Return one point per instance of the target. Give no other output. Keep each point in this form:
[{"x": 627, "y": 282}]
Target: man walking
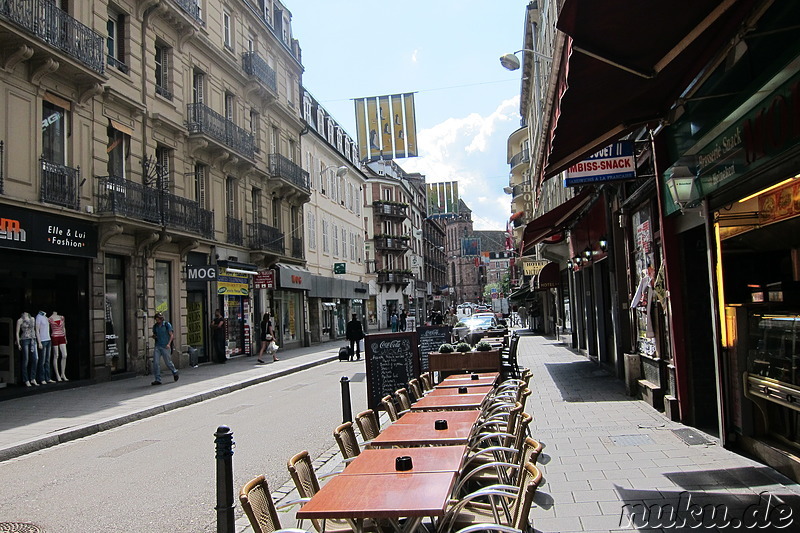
[
  {"x": 164, "y": 336},
  {"x": 354, "y": 333},
  {"x": 218, "y": 336}
]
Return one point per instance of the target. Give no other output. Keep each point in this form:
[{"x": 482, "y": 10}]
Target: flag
[{"x": 386, "y": 127}]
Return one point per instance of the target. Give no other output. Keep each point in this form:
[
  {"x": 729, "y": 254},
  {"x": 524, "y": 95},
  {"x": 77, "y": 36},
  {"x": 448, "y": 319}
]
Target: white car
[{"x": 474, "y": 327}]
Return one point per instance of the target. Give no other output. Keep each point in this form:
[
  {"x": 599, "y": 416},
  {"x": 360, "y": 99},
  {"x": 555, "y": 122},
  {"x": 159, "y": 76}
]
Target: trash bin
[{"x": 193, "y": 356}]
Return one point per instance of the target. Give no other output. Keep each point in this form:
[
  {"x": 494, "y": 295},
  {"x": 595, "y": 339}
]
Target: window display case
[{"x": 773, "y": 358}]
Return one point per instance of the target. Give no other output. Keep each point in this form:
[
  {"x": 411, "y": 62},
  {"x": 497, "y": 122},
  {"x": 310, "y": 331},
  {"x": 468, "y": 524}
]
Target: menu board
[
  {"x": 392, "y": 361},
  {"x": 429, "y": 339}
]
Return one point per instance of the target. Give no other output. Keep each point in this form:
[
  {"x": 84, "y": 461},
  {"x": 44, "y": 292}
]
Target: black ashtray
[
  {"x": 440, "y": 424},
  {"x": 402, "y": 463},
  {"x": 475, "y": 377},
  {"x": 462, "y": 390}
]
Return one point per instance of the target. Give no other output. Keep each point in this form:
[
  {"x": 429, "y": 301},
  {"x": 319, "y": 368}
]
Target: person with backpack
[{"x": 164, "y": 336}]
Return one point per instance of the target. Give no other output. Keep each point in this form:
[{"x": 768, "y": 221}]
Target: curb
[{"x": 41, "y": 443}]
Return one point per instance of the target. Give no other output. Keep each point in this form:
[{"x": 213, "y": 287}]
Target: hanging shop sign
[
  {"x": 532, "y": 268},
  {"x": 265, "y": 279},
  {"x": 24, "y": 229},
  {"x": 232, "y": 284},
  {"x": 614, "y": 162}
]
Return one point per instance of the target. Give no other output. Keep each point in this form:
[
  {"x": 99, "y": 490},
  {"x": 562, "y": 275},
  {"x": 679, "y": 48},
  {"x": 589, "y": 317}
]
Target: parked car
[{"x": 474, "y": 327}]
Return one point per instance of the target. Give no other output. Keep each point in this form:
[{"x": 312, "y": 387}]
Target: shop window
[
  {"x": 116, "y": 338},
  {"x": 163, "y": 289}
]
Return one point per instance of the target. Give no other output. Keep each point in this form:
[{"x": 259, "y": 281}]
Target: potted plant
[
  {"x": 446, "y": 348},
  {"x": 463, "y": 347},
  {"x": 483, "y": 346}
]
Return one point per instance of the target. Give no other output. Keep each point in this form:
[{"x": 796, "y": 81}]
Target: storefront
[
  {"x": 234, "y": 293},
  {"x": 47, "y": 261},
  {"x": 331, "y": 303},
  {"x": 200, "y": 275},
  {"x": 289, "y": 304}
]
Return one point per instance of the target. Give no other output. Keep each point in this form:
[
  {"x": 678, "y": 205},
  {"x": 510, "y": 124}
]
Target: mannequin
[
  {"x": 26, "y": 343},
  {"x": 58, "y": 339},
  {"x": 43, "y": 335}
]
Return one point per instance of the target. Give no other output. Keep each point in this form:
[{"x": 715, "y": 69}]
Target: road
[{"x": 158, "y": 474}]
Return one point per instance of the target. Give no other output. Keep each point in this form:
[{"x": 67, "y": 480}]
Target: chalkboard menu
[
  {"x": 429, "y": 339},
  {"x": 392, "y": 361}
]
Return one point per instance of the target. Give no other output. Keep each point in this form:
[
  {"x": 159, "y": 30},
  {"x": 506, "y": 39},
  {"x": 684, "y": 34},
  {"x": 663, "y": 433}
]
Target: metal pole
[
  {"x": 347, "y": 409},
  {"x": 225, "y": 503}
]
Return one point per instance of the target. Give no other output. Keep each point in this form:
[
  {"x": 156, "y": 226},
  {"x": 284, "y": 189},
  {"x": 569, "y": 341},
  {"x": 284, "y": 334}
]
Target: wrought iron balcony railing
[
  {"x": 117, "y": 64},
  {"x": 283, "y": 168},
  {"x": 394, "y": 276},
  {"x": 391, "y": 243},
  {"x": 235, "y": 231},
  {"x": 297, "y": 248},
  {"x": 128, "y": 199},
  {"x": 162, "y": 91},
  {"x": 192, "y": 8},
  {"x": 202, "y": 119},
  {"x": 254, "y": 65},
  {"x": 519, "y": 158},
  {"x": 263, "y": 237},
  {"x": 389, "y": 210},
  {"x": 60, "y": 185},
  {"x": 48, "y": 23}
]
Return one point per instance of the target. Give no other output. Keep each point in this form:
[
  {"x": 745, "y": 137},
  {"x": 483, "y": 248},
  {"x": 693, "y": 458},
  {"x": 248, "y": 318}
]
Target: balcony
[
  {"x": 519, "y": 158},
  {"x": 297, "y": 248},
  {"x": 286, "y": 170},
  {"x": 263, "y": 237},
  {"x": 400, "y": 277},
  {"x": 60, "y": 185},
  {"x": 391, "y": 243},
  {"x": 124, "y": 198},
  {"x": 389, "y": 209},
  {"x": 55, "y": 29},
  {"x": 203, "y": 120},
  {"x": 191, "y": 8},
  {"x": 255, "y": 66},
  {"x": 235, "y": 231}
]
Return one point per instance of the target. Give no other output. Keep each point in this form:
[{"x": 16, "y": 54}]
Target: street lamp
[
  {"x": 681, "y": 185},
  {"x": 511, "y": 61},
  {"x": 340, "y": 171}
]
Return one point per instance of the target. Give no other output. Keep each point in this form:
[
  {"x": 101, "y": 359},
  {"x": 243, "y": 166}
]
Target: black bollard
[
  {"x": 225, "y": 503},
  {"x": 347, "y": 409}
]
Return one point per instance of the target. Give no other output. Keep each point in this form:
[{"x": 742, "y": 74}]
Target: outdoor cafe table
[
  {"x": 422, "y": 431},
  {"x": 430, "y": 417},
  {"x": 459, "y": 380},
  {"x": 394, "y": 495},
  {"x": 432, "y": 459},
  {"x": 471, "y": 389},
  {"x": 450, "y": 402}
]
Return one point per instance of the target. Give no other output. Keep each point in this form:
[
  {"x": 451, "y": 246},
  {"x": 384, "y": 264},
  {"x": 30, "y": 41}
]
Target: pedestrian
[
  {"x": 218, "y": 336},
  {"x": 164, "y": 337},
  {"x": 393, "y": 321},
  {"x": 436, "y": 319},
  {"x": 403, "y": 317},
  {"x": 354, "y": 333},
  {"x": 450, "y": 318},
  {"x": 523, "y": 316},
  {"x": 267, "y": 337}
]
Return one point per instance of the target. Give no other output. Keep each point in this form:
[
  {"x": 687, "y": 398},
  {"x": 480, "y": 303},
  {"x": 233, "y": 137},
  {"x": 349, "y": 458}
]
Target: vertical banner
[
  {"x": 397, "y": 126},
  {"x": 442, "y": 199},
  {"x": 386, "y": 127}
]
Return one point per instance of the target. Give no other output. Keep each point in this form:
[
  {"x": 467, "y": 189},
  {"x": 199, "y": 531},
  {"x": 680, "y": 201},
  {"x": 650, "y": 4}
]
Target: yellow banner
[
  {"x": 374, "y": 142},
  {"x": 397, "y": 125},
  {"x": 232, "y": 284},
  {"x": 411, "y": 125},
  {"x": 386, "y": 127},
  {"x": 532, "y": 268},
  {"x": 361, "y": 127}
]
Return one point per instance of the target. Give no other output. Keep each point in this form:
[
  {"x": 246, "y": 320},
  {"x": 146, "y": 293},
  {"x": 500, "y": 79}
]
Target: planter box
[{"x": 488, "y": 361}]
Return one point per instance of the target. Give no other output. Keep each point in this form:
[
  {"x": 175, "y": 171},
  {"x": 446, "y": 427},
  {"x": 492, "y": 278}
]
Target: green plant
[
  {"x": 463, "y": 347},
  {"x": 446, "y": 348},
  {"x": 483, "y": 347},
  {"x": 459, "y": 324}
]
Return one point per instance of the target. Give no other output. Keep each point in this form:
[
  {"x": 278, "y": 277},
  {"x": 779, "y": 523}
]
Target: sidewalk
[{"x": 38, "y": 421}]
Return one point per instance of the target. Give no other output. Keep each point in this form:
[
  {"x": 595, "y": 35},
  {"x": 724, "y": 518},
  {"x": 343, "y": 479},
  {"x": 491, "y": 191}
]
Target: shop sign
[
  {"x": 23, "y": 229},
  {"x": 779, "y": 204},
  {"x": 339, "y": 268},
  {"x": 614, "y": 162},
  {"x": 201, "y": 272},
  {"x": 644, "y": 237},
  {"x": 265, "y": 279},
  {"x": 231, "y": 284},
  {"x": 532, "y": 268},
  {"x": 294, "y": 278}
]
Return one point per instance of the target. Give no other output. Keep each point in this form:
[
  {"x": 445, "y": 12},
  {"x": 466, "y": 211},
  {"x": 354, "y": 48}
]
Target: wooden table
[
  {"x": 459, "y": 380},
  {"x": 381, "y": 460},
  {"x": 429, "y": 417},
  {"x": 454, "y": 401},
  {"x": 425, "y": 433},
  {"x": 414, "y": 495},
  {"x": 471, "y": 389},
  {"x": 460, "y": 362}
]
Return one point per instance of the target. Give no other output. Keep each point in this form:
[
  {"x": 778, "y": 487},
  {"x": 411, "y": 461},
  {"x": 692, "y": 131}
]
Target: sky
[{"x": 447, "y": 51}]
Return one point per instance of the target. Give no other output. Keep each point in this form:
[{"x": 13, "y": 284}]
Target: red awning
[
  {"x": 629, "y": 61},
  {"x": 553, "y": 221}
]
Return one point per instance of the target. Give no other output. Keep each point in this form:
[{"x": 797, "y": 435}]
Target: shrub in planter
[
  {"x": 463, "y": 347},
  {"x": 446, "y": 348},
  {"x": 483, "y": 347}
]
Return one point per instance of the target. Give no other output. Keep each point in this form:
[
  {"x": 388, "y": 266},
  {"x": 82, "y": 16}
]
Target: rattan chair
[
  {"x": 345, "y": 437},
  {"x": 257, "y": 503},
  {"x": 305, "y": 480},
  {"x": 388, "y": 405},
  {"x": 426, "y": 379},
  {"x": 415, "y": 387},
  {"x": 368, "y": 424},
  {"x": 403, "y": 400}
]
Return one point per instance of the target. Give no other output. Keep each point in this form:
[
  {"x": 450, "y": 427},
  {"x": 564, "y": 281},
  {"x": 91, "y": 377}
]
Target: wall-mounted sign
[
  {"x": 614, "y": 162},
  {"x": 265, "y": 279},
  {"x": 532, "y": 268},
  {"x": 339, "y": 268},
  {"x": 24, "y": 229},
  {"x": 232, "y": 284},
  {"x": 201, "y": 272}
]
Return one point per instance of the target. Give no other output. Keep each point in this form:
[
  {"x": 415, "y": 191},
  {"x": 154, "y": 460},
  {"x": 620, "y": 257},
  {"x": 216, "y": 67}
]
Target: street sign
[{"x": 339, "y": 268}]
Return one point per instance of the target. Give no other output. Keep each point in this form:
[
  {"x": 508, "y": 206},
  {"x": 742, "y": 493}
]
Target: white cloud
[
  {"x": 414, "y": 56},
  {"x": 472, "y": 151}
]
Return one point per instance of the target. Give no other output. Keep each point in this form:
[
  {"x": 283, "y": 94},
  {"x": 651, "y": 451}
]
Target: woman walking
[{"x": 266, "y": 337}]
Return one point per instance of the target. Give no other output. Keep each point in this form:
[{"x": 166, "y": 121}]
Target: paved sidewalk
[{"x": 37, "y": 421}]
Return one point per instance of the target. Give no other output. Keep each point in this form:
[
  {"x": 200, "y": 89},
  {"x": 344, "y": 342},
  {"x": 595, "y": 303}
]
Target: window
[
  {"x": 263, "y": 8},
  {"x": 255, "y": 126},
  {"x": 344, "y": 243},
  {"x": 307, "y": 115},
  {"x": 357, "y": 200},
  {"x": 54, "y": 133},
  {"x": 359, "y": 248},
  {"x": 350, "y": 196},
  {"x": 311, "y": 224},
  {"x": 200, "y": 172},
  {"x": 230, "y": 196},
  {"x": 198, "y": 87},
  {"x": 115, "y": 41},
  {"x": 229, "y": 106},
  {"x": 118, "y": 150},
  {"x": 352, "y": 246},
  {"x": 274, "y": 141},
  {"x": 164, "y": 167},
  {"x": 325, "y": 236},
  {"x": 335, "y": 240},
  {"x": 163, "y": 289},
  {"x": 256, "y": 201},
  {"x": 329, "y": 184},
  {"x": 163, "y": 85},
  {"x": 276, "y": 213},
  {"x": 227, "y": 31}
]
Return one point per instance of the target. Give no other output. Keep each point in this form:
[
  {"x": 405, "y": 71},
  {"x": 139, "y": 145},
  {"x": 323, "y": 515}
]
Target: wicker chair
[
  {"x": 368, "y": 424},
  {"x": 388, "y": 405},
  {"x": 257, "y": 503},
  {"x": 345, "y": 437},
  {"x": 403, "y": 400},
  {"x": 415, "y": 387},
  {"x": 307, "y": 484},
  {"x": 427, "y": 381}
]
